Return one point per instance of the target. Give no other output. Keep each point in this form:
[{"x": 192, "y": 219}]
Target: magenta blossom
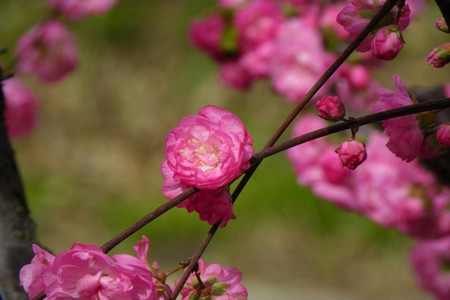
[
  {"x": 387, "y": 43},
  {"x": 257, "y": 23},
  {"x": 405, "y": 136},
  {"x": 430, "y": 148},
  {"x": 358, "y": 13},
  {"x": 76, "y": 10},
  {"x": 47, "y": 51},
  {"x": 430, "y": 261},
  {"x": 442, "y": 25},
  {"x": 218, "y": 283},
  {"x": 31, "y": 275},
  {"x": 443, "y": 135},
  {"x": 21, "y": 108},
  {"x": 352, "y": 153},
  {"x": 206, "y": 151},
  {"x": 233, "y": 74},
  {"x": 212, "y": 206},
  {"x": 206, "y": 35},
  {"x": 231, "y": 3},
  {"x": 330, "y": 108}
]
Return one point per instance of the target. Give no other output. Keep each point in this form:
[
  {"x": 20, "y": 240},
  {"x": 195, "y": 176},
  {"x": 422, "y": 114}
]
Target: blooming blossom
[
  {"x": 21, "y": 108},
  {"x": 430, "y": 261},
  {"x": 218, "y": 283},
  {"x": 76, "y": 10},
  {"x": 405, "y": 136},
  {"x": 47, "y": 51},
  {"x": 206, "y": 151}
]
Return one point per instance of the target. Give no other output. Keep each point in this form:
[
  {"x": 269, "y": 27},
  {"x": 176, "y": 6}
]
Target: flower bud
[
  {"x": 442, "y": 25},
  {"x": 387, "y": 42},
  {"x": 430, "y": 148},
  {"x": 352, "y": 153},
  {"x": 443, "y": 135},
  {"x": 331, "y": 108},
  {"x": 440, "y": 56}
]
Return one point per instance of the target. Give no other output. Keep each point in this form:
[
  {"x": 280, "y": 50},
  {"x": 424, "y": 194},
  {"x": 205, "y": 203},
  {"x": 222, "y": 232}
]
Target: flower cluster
[
  {"x": 384, "y": 188},
  {"x": 48, "y": 52},
  {"x": 207, "y": 151},
  {"x": 259, "y": 39},
  {"x": 85, "y": 272}
]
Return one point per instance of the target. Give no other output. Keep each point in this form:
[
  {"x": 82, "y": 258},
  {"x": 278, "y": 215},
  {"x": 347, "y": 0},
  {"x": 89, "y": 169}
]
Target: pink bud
[
  {"x": 430, "y": 149},
  {"x": 442, "y": 25},
  {"x": 443, "y": 135},
  {"x": 439, "y": 56},
  {"x": 387, "y": 43},
  {"x": 331, "y": 108},
  {"x": 352, "y": 153}
]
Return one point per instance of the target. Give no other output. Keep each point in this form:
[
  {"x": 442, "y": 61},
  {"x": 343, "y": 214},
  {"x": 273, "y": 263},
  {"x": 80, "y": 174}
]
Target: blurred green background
[{"x": 91, "y": 167}]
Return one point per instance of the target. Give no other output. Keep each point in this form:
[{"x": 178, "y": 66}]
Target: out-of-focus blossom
[
  {"x": 443, "y": 135},
  {"x": 358, "y": 13},
  {"x": 297, "y": 65},
  {"x": 257, "y": 23},
  {"x": 31, "y": 275},
  {"x": 212, "y": 206},
  {"x": 430, "y": 148},
  {"x": 257, "y": 61},
  {"x": 405, "y": 136},
  {"x": 206, "y": 34},
  {"x": 430, "y": 261},
  {"x": 233, "y": 74},
  {"x": 328, "y": 20},
  {"x": 387, "y": 43},
  {"x": 47, "y": 51},
  {"x": 330, "y": 108},
  {"x": 231, "y": 3},
  {"x": 439, "y": 56},
  {"x": 352, "y": 153},
  {"x": 442, "y": 25},
  {"x": 76, "y": 9},
  {"x": 21, "y": 108},
  {"x": 218, "y": 283}
]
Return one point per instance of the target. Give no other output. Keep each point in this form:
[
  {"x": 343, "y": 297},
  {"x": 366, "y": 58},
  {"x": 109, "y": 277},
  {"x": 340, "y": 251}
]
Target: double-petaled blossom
[
  {"x": 352, "y": 153},
  {"x": 206, "y": 151},
  {"x": 206, "y": 34},
  {"x": 443, "y": 135},
  {"x": 439, "y": 56},
  {"x": 405, "y": 135},
  {"x": 47, "y": 51},
  {"x": 76, "y": 10},
  {"x": 217, "y": 283},
  {"x": 387, "y": 43},
  {"x": 358, "y": 13},
  {"x": 430, "y": 260},
  {"x": 330, "y": 108},
  {"x": 21, "y": 108},
  {"x": 85, "y": 272}
]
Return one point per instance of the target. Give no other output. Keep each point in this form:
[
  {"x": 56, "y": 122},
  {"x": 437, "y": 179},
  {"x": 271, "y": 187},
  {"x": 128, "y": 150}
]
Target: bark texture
[{"x": 17, "y": 230}]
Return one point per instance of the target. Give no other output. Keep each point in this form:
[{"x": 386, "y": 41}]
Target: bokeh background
[{"x": 91, "y": 167}]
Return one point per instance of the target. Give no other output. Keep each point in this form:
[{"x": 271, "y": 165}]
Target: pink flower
[
  {"x": 212, "y": 206},
  {"x": 206, "y": 35},
  {"x": 231, "y": 3},
  {"x": 31, "y": 274},
  {"x": 21, "y": 108},
  {"x": 297, "y": 65},
  {"x": 443, "y": 135},
  {"x": 257, "y": 61},
  {"x": 76, "y": 10},
  {"x": 404, "y": 132},
  {"x": 47, "y": 51},
  {"x": 257, "y": 23},
  {"x": 218, "y": 283},
  {"x": 206, "y": 151},
  {"x": 430, "y": 261},
  {"x": 352, "y": 154},
  {"x": 328, "y": 20},
  {"x": 357, "y": 14},
  {"x": 439, "y": 56},
  {"x": 387, "y": 43},
  {"x": 430, "y": 148},
  {"x": 331, "y": 108},
  {"x": 86, "y": 272},
  {"x": 234, "y": 75}
]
